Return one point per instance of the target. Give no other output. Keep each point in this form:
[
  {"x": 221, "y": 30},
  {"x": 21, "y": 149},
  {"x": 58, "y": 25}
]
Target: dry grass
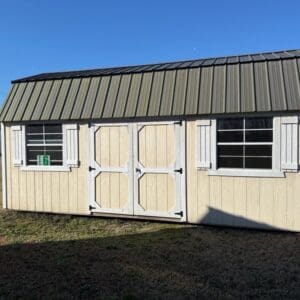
[{"x": 52, "y": 256}]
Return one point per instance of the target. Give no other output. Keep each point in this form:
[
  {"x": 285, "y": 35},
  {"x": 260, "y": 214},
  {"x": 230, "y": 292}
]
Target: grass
[{"x": 56, "y": 256}]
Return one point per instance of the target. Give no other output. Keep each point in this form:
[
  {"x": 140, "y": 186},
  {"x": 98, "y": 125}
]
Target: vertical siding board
[
  {"x": 47, "y": 190},
  {"x": 33, "y": 100},
  {"x": 233, "y": 89},
  {"x": 61, "y": 99},
  {"x": 41, "y": 101},
  {"x": 227, "y": 208},
  {"x": 64, "y": 192},
  {"x": 8, "y": 99},
  {"x": 55, "y": 192},
  {"x": 9, "y": 176},
  {"x": 219, "y": 88},
  {"x": 111, "y": 96},
  {"x": 15, "y": 102},
  {"x": 292, "y": 84},
  {"x": 205, "y": 93},
  {"x": 192, "y": 91},
  {"x": 266, "y": 187},
  {"x": 144, "y": 94},
  {"x": 133, "y": 96},
  {"x": 80, "y": 99},
  {"x": 168, "y": 93},
  {"x": 68, "y": 105},
  {"x": 247, "y": 88},
  {"x": 215, "y": 201},
  {"x": 90, "y": 98},
  {"x": 156, "y": 93},
  {"x": 253, "y": 201},
  {"x": 50, "y": 104},
  {"x": 30, "y": 180},
  {"x": 280, "y": 202},
  {"x": 39, "y": 191},
  {"x": 101, "y": 97},
  {"x": 262, "y": 94},
  {"x": 24, "y": 201},
  {"x": 277, "y": 90},
  {"x": 240, "y": 201},
  {"x": 122, "y": 96},
  {"x": 180, "y": 93}
]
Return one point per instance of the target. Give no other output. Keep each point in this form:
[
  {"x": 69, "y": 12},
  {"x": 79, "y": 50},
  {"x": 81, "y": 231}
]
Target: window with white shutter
[
  {"x": 71, "y": 144},
  {"x": 17, "y": 144},
  {"x": 289, "y": 143},
  {"x": 206, "y": 144},
  {"x": 49, "y": 147}
]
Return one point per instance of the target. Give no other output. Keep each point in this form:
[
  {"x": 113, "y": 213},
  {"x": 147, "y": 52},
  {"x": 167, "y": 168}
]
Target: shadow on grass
[{"x": 170, "y": 264}]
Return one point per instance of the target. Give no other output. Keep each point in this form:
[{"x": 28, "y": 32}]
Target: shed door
[
  {"x": 110, "y": 168},
  {"x": 159, "y": 170}
]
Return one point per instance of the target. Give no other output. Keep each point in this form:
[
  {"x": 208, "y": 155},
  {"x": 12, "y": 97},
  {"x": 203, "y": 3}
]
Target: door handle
[
  {"x": 138, "y": 170},
  {"x": 178, "y": 170}
]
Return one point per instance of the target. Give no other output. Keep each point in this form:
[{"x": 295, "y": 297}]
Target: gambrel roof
[{"x": 265, "y": 82}]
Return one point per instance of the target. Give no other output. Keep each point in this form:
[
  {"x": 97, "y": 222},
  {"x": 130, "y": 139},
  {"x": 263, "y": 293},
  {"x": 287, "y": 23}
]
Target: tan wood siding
[
  {"x": 61, "y": 192},
  {"x": 240, "y": 201}
]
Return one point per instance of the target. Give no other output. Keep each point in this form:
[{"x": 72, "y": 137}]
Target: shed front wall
[
  {"x": 58, "y": 192},
  {"x": 270, "y": 203},
  {"x": 254, "y": 202}
]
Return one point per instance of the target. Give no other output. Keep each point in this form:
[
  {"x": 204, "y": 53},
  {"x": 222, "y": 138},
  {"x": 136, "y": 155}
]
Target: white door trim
[
  {"x": 139, "y": 170},
  {"x": 94, "y": 169}
]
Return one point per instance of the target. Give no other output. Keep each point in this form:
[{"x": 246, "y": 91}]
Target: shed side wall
[
  {"x": 240, "y": 201},
  {"x": 59, "y": 192}
]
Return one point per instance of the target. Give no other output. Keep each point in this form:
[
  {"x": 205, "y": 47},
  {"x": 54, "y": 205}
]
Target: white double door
[{"x": 137, "y": 169}]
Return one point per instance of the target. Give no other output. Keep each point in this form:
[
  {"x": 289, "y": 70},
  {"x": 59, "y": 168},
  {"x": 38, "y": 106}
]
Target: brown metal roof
[{"x": 266, "y": 82}]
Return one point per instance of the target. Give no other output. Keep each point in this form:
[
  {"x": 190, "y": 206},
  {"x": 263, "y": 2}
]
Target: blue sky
[{"x": 56, "y": 35}]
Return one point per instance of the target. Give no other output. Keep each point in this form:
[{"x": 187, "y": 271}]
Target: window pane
[
  {"x": 53, "y": 138},
  {"x": 34, "y": 139},
  {"x": 259, "y": 136},
  {"x": 55, "y": 153},
  {"x": 252, "y": 123},
  {"x": 230, "y": 123},
  {"x": 230, "y": 150},
  {"x": 53, "y": 128},
  {"x": 32, "y": 153},
  {"x": 230, "y": 162},
  {"x": 230, "y": 136},
  {"x": 258, "y": 162},
  {"x": 34, "y": 128},
  {"x": 258, "y": 150}
]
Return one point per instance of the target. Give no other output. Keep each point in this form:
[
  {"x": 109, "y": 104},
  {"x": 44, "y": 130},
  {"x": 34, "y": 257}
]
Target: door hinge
[
  {"x": 180, "y": 213},
  {"x": 178, "y": 170},
  {"x": 91, "y": 207},
  {"x": 91, "y": 169},
  {"x": 178, "y": 123}
]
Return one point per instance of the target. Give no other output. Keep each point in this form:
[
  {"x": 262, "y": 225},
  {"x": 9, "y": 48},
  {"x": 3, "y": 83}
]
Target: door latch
[
  {"x": 91, "y": 207},
  {"x": 91, "y": 169},
  {"x": 180, "y": 213},
  {"x": 138, "y": 170},
  {"x": 178, "y": 170}
]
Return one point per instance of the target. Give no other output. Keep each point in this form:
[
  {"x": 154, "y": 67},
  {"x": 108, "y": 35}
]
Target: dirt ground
[{"x": 49, "y": 256}]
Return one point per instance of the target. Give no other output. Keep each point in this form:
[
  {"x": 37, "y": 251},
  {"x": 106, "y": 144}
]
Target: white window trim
[
  {"x": 62, "y": 168},
  {"x": 236, "y": 172}
]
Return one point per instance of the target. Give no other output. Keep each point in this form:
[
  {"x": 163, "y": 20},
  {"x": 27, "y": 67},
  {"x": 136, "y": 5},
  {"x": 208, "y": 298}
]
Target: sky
[{"x": 58, "y": 35}]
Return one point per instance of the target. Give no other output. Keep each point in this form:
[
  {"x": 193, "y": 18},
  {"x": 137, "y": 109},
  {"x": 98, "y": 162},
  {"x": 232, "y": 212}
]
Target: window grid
[
  {"x": 244, "y": 143},
  {"x": 45, "y": 146}
]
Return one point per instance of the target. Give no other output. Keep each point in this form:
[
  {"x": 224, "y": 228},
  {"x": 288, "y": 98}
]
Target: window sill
[
  {"x": 246, "y": 173},
  {"x": 46, "y": 168}
]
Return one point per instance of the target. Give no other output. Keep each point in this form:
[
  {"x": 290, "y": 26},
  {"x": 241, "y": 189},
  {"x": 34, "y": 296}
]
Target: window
[
  {"x": 44, "y": 145},
  {"x": 245, "y": 143}
]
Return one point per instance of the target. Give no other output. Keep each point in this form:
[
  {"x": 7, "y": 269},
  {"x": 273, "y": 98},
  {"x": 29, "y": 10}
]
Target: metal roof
[{"x": 238, "y": 84}]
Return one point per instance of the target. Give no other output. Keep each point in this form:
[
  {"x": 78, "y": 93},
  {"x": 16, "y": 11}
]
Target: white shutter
[
  {"x": 289, "y": 143},
  {"x": 206, "y": 144},
  {"x": 71, "y": 144},
  {"x": 17, "y": 144}
]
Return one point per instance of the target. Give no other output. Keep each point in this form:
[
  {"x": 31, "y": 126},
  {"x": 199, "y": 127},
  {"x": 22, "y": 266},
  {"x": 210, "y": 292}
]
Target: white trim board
[{"x": 3, "y": 153}]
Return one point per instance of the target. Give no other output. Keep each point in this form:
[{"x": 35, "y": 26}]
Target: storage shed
[{"x": 208, "y": 141}]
